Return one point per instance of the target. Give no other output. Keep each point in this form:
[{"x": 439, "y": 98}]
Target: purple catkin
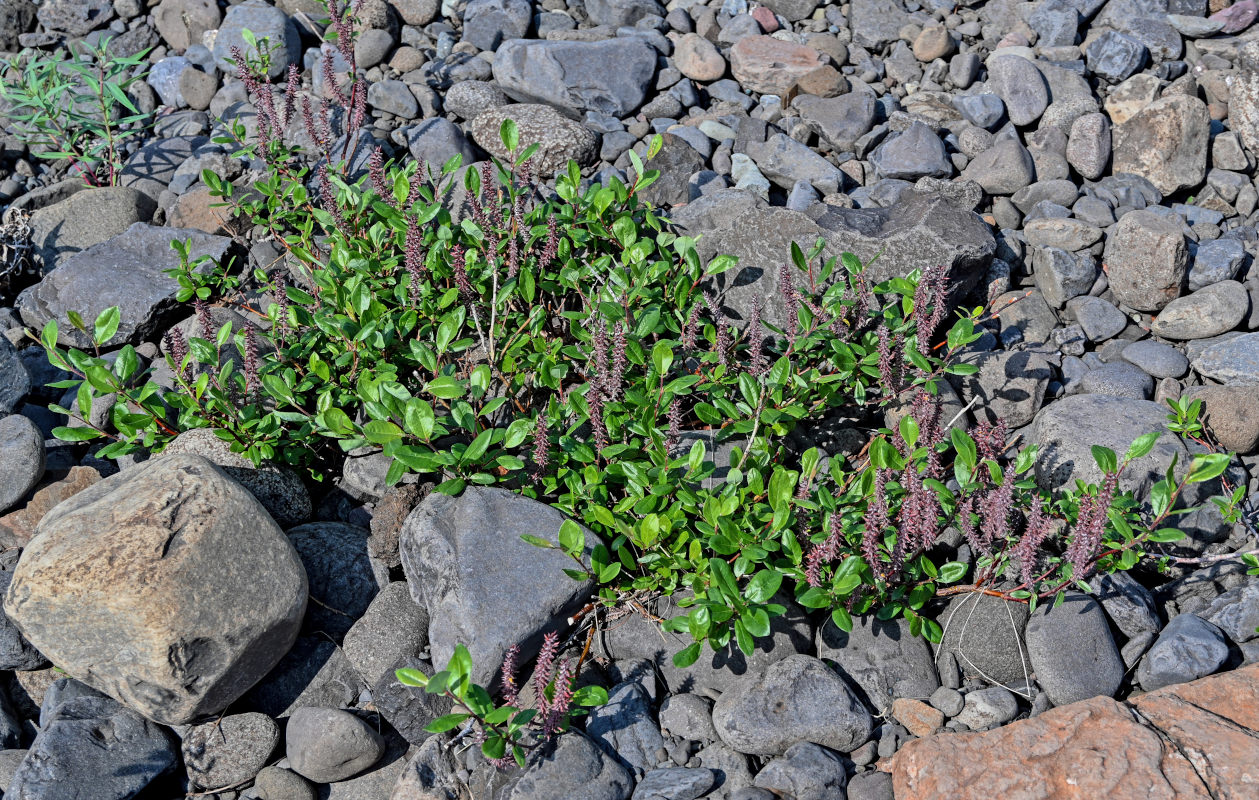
[
  {"x": 203, "y": 317},
  {"x": 1025, "y": 553},
  {"x": 511, "y": 689},
  {"x": 358, "y": 104},
  {"x": 595, "y": 400},
  {"x": 552, "y": 247},
  {"x": 460, "y": 269},
  {"x": 376, "y": 174},
  {"x": 966, "y": 522},
  {"x": 561, "y": 700},
  {"x": 252, "y": 385},
  {"x": 994, "y": 511},
  {"x": 513, "y": 256},
  {"x": 887, "y": 362},
  {"x": 1090, "y": 527},
  {"x": 863, "y": 301},
  {"x": 316, "y": 130},
  {"x": 756, "y": 342},
  {"x": 545, "y": 666},
  {"x": 282, "y": 304},
  {"x": 876, "y": 520},
  {"x": 541, "y": 448},
  {"x": 791, "y": 297},
  {"x": 674, "y": 436},
  {"x": 919, "y": 512},
  {"x": 724, "y": 344},
  {"x": 600, "y": 380},
  {"x": 328, "y": 199},
  {"x": 990, "y": 439},
  {"x": 691, "y": 330},
  {"x": 177, "y": 348},
  {"x": 413, "y": 259},
  {"x": 824, "y": 552},
  {"x": 291, "y": 89},
  {"x": 331, "y": 84},
  {"x": 345, "y": 34}
]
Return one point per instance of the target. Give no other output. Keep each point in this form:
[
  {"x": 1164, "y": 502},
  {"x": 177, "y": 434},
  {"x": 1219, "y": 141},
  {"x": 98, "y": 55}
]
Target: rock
[
  {"x": 1131, "y": 609},
  {"x": 784, "y": 161},
  {"x": 182, "y": 23},
  {"x": 1011, "y": 385},
  {"x": 164, "y": 78},
  {"x": 15, "y": 381},
  {"x": 674, "y": 783},
  {"x": 91, "y": 746},
  {"x": 436, "y": 141},
  {"x": 1210, "y": 311},
  {"x": 1114, "y": 56},
  {"x": 918, "y": 718},
  {"x": 314, "y": 672},
  {"x": 278, "y": 488},
  {"x": 924, "y": 227},
  {"x": 1099, "y": 319},
  {"x": 1230, "y": 414},
  {"x": 797, "y": 699},
  {"x": 21, "y": 458},
  {"x": 1145, "y": 260},
  {"x": 1237, "y": 17},
  {"x": 1165, "y": 142},
  {"x": 986, "y": 708},
  {"x": 949, "y": 702},
  {"x": 804, "y": 772},
  {"x": 342, "y": 583},
  {"x": 698, "y": 59},
  {"x": 1120, "y": 379},
  {"x": 393, "y": 628},
  {"x": 689, "y": 716},
  {"x": 487, "y": 23},
  {"x": 575, "y": 767},
  {"x": 875, "y": 23},
  {"x": 480, "y": 583},
  {"x": 84, "y": 219},
  {"x": 1003, "y": 168},
  {"x": 559, "y": 138},
  {"x": 621, "y": 13},
  {"x": 128, "y": 271},
  {"x": 1130, "y": 757},
  {"x": 1020, "y": 86},
  {"x": 1025, "y": 314},
  {"x": 429, "y": 774},
  {"x": 16, "y": 18},
  {"x": 572, "y": 75},
  {"x": 1072, "y": 651},
  {"x": 870, "y": 785},
  {"x": 913, "y": 154},
  {"x": 407, "y": 710},
  {"x": 1157, "y": 359},
  {"x": 984, "y": 635},
  {"x": 839, "y": 121},
  {"x": 1216, "y": 260},
  {"x": 265, "y": 21},
  {"x": 467, "y": 99},
  {"x": 1195, "y": 27},
  {"x": 1233, "y": 361},
  {"x": 1067, "y": 428},
  {"x": 1235, "y": 612},
  {"x": 393, "y": 97},
  {"x": 327, "y": 744},
  {"x": 277, "y": 783},
  {"x": 221, "y": 604},
  {"x": 22, "y": 521},
  {"x": 1088, "y": 147},
  {"x": 1243, "y": 106},
  {"x": 880, "y": 660},
  {"x": 15, "y": 652},
  {"x": 1188, "y": 648},
  {"x": 1061, "y": 275},
  {"x": 934, "y": 42},
  {"x": 229, "y": 751},
  {"x": 75, "y": 17},
  {"x": 677, "y": 162},
  {"x": 772, "y": 66},
  {"x": 623, "y": 727}
]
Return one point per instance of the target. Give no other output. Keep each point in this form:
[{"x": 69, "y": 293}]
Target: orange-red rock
[
  {"x": 918, "y": 718},
  {"x": 771, "y": 66},
  {"x": 1184, "y": 742}
]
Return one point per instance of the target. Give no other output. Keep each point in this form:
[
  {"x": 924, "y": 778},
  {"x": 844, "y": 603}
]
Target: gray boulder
[
  {"x": 574, "y": 76},
  {"x": 1010, "y": 385},
  {"x": 265, "y": 21},
  {"x": 392, "y": 628},
  {"x": 624, "y": 727},
  {"x": 481, "y": 584},
  {"x": 1212, "y": 310},
  {"x": 572, "y": 766},
  {"x": 559, "y": 138},
  {"x": 1188, "y": 648},
  {"x": 15, "y": 652},
  {"x": 1146, "y": 258},
  {"x": 342, "y": 581},
  {"x": 1165, "y": 142},
  {"x": 620, "y": 13},
  {"x": 1233, "y": 360},
  {"x": 1072, "y": 650},
  {"x": 93, "y": 747},
  {"x": 915, "y": 153},
  {"x": 436, "y": 141},
  {"x": 328, "y": 744},
  {"x": 223, "y": 595},
  {"x": 838, "y": 121},
  {"x": 804, "y": 772},
  {"x": 1020, "y": 85},
  {"x": 83, "y": 219},
  {"x": 880, "y": 659},
  {"x": 1131, "y": 609},
  {"x": 486, "y": 23},
  {"x": 784, "y": 161},
  {"x": 15, "y": 381},
  {"x": 21, "y": 458},
  {"x": 797, "y": 699},
  {"x": 128, "y": 271},
  {"x": 984, "y": 636},
  {"x": 674, "y": 783},
  {"x": 230, "y": 750}
]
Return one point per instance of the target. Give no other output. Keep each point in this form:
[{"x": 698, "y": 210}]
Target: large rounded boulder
[{"x": 166, "y": 586}]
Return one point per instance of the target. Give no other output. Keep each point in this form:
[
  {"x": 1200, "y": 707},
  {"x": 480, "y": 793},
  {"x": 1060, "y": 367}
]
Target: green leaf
[
  {"x": 1105, "y": 458},
  {"x": 687, "y": 655},
  {"x": 76, "y": 434},
  {"x": 572, "y": 537},
  {"x": 446, "y": 723},
  {"x": 952, "y": 572},
  {"x": 842, "y": 619},
  {"x": 763, "y": 586},
  {"x": 588, "y": 696},
  {"x": 1141, "y": 446},
  {"x": 1167, "y": 535},
  {"x": 537, "y": 541},
  {"x": 106, "y": 325},
  {"x": 720, "y": 264},
  {"x": 478, "y": 447},
  {"x": 409, "y": 676},
  {"x": 1208, "y": 466},
  {"x": 509, "y": 134}
]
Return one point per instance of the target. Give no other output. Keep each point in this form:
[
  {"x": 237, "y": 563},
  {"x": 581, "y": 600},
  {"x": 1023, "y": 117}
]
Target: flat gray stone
[{"x": 574, "y": 76}]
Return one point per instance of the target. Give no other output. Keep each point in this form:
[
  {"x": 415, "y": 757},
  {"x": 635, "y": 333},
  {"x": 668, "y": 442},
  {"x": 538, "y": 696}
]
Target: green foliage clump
[{"x": 76, "y": 108}]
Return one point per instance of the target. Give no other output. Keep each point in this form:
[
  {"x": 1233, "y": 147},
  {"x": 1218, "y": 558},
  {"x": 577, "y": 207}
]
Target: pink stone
[
  {"x": 1237, "y": 17},
  {"x": 765, "y": 18}
]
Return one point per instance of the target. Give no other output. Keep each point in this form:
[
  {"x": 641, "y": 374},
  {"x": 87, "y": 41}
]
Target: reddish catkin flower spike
[
  {"x": 756, "y": 342},
  {"x": 791, "y": 297},
  {"x": 1090, "y": 527},
  {"x": 203, "y": 318},
  {"x": 691, "y": 330},
  {"x": 177, "y": 348},
  {"x": 990, "y": 438},
  {"x": 561, "y": 701},
  {"x": 1026, "y": 553},
  {"x": 291, "y": 89},
  {"x": 252, "y": 385},
  {"x": 460, "y": 268},
  {"x": 328, "y": 199},
  {"x": 875, "y": 522},
  {"x": 594, "y": 398},
  {"x": 413, "y": 260},
  {"x": 376, "y": 174},
  {"x": 620, "y": 360},
  {"x": 511, "y": 689},
  {"x": 552, "y": 247},
  {"x": 541, "y": 449},
  {"x": 600, "y": 380},
  {"x": 887, "y": 362},
  {"x": 994, "y": 511},
  {"x": 544, "y": 667},
  {"x": 673, "y": 438},
  {"x": 824, "y": 552},
  {"x": 331, "y": 84}
]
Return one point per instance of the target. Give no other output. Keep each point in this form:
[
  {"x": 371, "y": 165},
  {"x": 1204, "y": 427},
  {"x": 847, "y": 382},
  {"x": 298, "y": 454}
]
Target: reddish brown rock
[
  {"x": 918, "y": 718},
  {"x": 771, "y": 66},
  {"x": 22, "y": 521},
  {"x": 1190, "y": 741}
]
